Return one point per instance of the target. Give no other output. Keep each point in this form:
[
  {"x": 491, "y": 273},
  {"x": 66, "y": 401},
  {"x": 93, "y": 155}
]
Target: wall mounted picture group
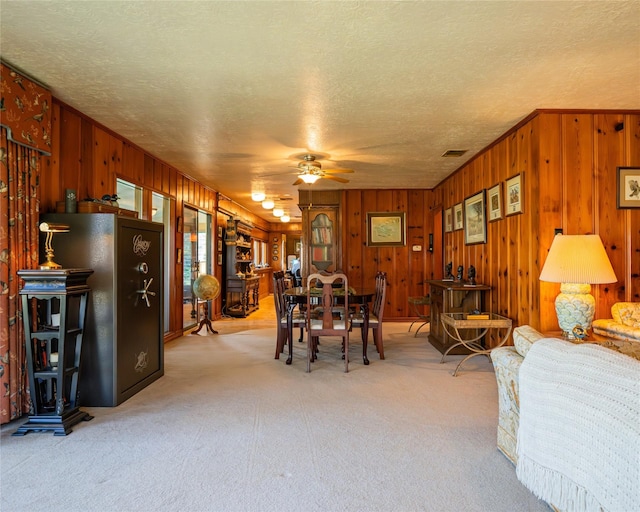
[{"x": 472, "y": 214}]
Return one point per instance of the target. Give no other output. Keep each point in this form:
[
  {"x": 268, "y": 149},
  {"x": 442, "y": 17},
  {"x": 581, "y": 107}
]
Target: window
[{"x": 129, "y": 196}]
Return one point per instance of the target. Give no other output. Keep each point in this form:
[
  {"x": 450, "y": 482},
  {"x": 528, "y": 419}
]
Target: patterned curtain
[{"x": 19, "y": 207}]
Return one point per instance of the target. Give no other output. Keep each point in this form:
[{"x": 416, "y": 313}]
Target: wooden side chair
[
  {"x": 281, "y": 307},
  {"x": 375, "y": 315},
  {"x": 327, "y": 313}
]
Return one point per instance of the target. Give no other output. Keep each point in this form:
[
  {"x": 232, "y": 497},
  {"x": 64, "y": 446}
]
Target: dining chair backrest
[
  {"x": 326, "y": 315},
  {"x": 380, "y": 296}
]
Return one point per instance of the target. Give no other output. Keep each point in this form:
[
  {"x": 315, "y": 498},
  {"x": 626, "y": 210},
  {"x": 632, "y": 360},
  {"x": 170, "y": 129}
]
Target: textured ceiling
[{"x": 233, "y": 93}]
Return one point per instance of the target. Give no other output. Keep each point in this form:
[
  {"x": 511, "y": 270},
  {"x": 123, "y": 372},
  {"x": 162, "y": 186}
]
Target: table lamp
[
  {"x": 50, "y": 229},
  {"x": 577, "y": 262}
]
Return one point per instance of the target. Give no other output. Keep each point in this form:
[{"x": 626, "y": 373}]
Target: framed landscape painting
[
  {"x": 386, "y": 229},
  {"x": 628, "y": 187},
  {"x": 475, "y": 225},
  {"x": 494, "y": 202}
]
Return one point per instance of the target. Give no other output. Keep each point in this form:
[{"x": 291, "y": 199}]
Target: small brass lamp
[{"x": 50, "y": 229}]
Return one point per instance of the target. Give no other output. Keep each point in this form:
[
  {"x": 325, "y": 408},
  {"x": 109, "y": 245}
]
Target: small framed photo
[
  {"x": 628, "y": 187},
  {"x": 514, "y": 195},
  {"x": 385, "y": 229},
  {"x": 448, "y": 220},
  {"x": 220, "y": 259},
  {"x": 494, "y": 202},
  {"x": 219, "y": 245},
  {"x": 457, "y": 217},
  {"x": 220, "y": 231},
  {"x": 475, "y": 225}
]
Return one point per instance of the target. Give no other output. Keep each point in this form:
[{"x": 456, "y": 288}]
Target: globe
[{"x": 206, "y": 287}]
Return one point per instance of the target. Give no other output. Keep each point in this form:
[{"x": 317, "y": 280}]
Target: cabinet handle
[{"x": 145, "y": 292}]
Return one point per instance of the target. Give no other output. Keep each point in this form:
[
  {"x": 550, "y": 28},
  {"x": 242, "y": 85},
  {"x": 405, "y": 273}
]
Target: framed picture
[
  {"x": 220, "y": 231},
  {"x": 220, "y": 259},
  {"x": 219, "y": 245},
  {"x": 475, "y": 226},
  {"x": 457, "y": 217},
  {"x": 514, "y": 195},
  {"x": 448, "y": 220},
  {"x": 494, "y": 202},
  {"x": 298, "y": 247},
  {"x": 628, "y": 187},
  {"x": 386, "y": 229}
]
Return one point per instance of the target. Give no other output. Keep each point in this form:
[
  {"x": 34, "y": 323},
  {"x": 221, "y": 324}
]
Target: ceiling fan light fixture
[
  {"x": 285, "y": 218},
  {"x": 268, "y": 204},
  {"x": 258, "y": 196},
  {"x": 278, "y": 212},
  {"x": 309, "y": 179}
]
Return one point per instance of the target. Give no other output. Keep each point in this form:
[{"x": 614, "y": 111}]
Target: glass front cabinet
[{"x": 321, "y": 240}]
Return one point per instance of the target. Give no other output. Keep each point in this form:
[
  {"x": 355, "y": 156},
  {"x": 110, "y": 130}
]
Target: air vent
[{"x": 454, "y": 153}]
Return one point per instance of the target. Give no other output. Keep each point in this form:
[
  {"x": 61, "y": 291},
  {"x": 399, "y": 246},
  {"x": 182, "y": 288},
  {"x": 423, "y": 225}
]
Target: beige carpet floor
[{"x": 229, "y": 428}]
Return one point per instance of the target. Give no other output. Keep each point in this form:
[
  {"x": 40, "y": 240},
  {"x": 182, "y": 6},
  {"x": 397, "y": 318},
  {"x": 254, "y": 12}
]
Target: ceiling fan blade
[
  {"x": 298, "y": 182},
  {"x": 336, "y": 178},
  {"x": 338, "y": 171}
]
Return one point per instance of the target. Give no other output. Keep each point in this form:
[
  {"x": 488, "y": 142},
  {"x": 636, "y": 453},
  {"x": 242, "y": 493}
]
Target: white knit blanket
[{"x": 579, "y": 430}]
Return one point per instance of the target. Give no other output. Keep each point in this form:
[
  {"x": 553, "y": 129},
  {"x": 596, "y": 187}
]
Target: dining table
[{"x": 297, "y": 296}]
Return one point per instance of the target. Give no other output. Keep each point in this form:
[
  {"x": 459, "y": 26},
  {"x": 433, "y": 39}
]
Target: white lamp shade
[
  {"x": 258, "y": 196},
  {"x": 278, "y": 212},
  {"x": 268, "y": 204},
  {"x": 577, "y": 262},
  {"x": 309, "y": 178},
  {"x": 285, "y": 218},
  {"x": 577, "y": 259}
]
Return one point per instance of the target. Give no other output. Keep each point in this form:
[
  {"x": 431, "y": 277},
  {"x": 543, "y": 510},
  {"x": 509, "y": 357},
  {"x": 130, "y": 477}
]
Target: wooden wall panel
[
  {"x": 632, "y": 217},
  {"x": 609, "y": 221}
]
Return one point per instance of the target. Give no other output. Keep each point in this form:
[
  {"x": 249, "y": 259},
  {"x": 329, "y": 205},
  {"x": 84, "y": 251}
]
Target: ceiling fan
[{"x": 311, "y": 171}]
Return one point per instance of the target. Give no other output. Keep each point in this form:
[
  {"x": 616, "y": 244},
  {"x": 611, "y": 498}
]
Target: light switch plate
[{"x": 416, "y": 248}]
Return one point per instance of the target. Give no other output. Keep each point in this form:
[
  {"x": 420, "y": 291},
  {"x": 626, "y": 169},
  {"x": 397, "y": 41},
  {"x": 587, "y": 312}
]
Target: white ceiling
[{"x": 233, "y": 93}]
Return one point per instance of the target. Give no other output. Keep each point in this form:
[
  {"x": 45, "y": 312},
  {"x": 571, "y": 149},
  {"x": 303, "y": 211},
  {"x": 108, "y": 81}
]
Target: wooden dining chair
[
  {"x": 281, "y": 307},
  {"x": 375, "y": 314},
  {"x": 327, "y": 313}
]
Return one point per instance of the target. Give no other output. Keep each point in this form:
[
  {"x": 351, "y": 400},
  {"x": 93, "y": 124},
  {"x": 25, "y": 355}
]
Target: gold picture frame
[
  {"x": 494, "y": 202},
  {"x": 513, "y": 195},
  {"x": 475, "y": 223},
  {"x": 386, "y": 229},
  {"x": 448, "y": 220},
  {"x": 628, "y": 187},
  {"x": 458, "y": 222}
]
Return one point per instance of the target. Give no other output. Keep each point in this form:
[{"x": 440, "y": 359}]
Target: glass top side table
[{"x": 453, "y": 323}]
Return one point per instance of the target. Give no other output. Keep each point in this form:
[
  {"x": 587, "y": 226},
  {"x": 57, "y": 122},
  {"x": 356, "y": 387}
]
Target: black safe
[{"x": 123, "y": 347}]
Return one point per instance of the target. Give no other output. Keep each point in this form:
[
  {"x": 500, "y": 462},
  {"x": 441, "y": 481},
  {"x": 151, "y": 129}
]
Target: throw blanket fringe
[
  {"x": 579, "y": 431},
  {"x": 554, "y": 487}
]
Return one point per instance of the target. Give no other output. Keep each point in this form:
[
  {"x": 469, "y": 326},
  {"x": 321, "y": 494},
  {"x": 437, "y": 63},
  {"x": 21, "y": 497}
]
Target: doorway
[{"x": 196, "y": 258}]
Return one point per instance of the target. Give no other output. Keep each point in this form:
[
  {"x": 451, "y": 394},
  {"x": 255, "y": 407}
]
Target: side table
[
  {"x": 453, "y": 323},
  {"x": 54, "y": 347}
]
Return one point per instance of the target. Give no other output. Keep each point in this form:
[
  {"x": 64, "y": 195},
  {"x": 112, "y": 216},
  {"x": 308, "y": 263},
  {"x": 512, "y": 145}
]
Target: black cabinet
[
  {"x": 452, "y": 297},
  {"x": 124, "y": 345},
  {"x": 54, "y": 307}
]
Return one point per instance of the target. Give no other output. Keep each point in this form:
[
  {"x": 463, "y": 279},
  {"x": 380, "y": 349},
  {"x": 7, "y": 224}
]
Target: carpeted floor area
[{"x": 229, "y": 428}]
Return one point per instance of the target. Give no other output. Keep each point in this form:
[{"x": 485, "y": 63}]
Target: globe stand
[
  {"x": 206, "y": 288},
  {"x": 205, "y": 321}
]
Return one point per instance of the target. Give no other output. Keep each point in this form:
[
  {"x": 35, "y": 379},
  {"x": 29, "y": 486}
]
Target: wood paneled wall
[{"x": 568, "y": 161}]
